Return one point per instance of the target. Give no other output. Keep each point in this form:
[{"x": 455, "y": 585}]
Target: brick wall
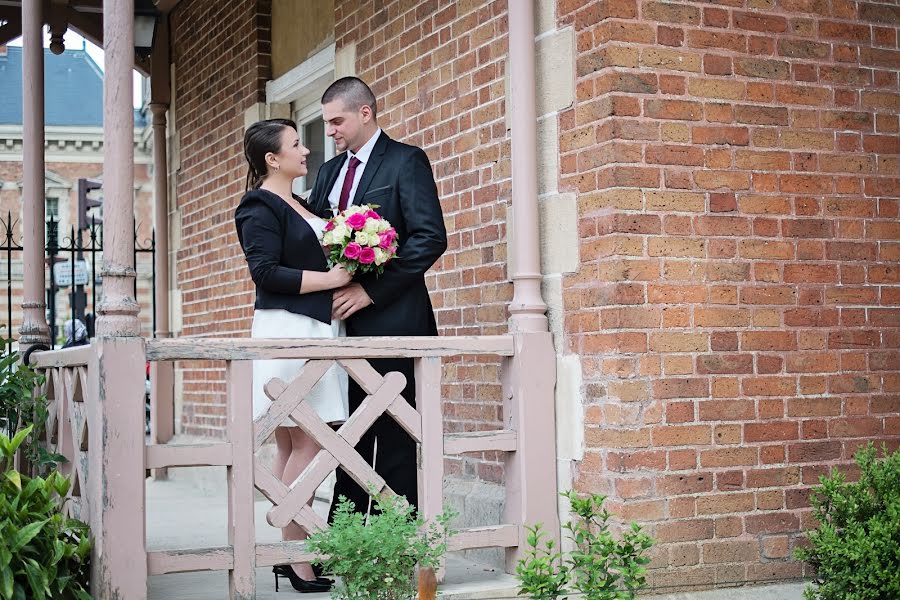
[
  {"x": 736, "y": 307},
  {"x": 220, "y": 51},
  {"x": 438, "y": 68}
]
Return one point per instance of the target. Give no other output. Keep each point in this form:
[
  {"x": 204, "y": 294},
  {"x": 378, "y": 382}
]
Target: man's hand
[{"x": 348, "y": 300}]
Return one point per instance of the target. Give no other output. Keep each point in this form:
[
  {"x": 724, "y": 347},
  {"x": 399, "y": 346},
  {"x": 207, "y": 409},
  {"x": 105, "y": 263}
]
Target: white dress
[{"x": 329, "y": 396}]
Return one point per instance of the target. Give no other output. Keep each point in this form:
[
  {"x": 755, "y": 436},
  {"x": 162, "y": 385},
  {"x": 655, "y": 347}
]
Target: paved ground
[{"x": 191, "y": 512}]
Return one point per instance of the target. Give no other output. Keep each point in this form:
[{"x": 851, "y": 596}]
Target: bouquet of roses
[{"x": 360, "y": 239}]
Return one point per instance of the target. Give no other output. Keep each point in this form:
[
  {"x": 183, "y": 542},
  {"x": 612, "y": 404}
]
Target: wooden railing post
[
  {"x": 162, "y": 407},
  {"x": 431, "y": 451},
  {"x": 116, "y": 475},
  {"x": 241, "y": 528},
  {"x": 529, "y": 378}
]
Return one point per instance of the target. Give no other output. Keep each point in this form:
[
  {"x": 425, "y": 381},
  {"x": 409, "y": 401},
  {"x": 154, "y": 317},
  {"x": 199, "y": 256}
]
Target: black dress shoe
[
  {"x": 298, "y": 583},
  {"x": 319, "y": 571}
]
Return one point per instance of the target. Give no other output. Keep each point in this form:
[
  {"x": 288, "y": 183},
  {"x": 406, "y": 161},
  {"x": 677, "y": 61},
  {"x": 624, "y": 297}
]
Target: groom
[{"x": 374, "y": 169}]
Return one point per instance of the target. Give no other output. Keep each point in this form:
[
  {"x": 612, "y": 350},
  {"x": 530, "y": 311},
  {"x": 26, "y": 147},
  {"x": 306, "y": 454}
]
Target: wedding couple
[{"x": 298, "y": 296}]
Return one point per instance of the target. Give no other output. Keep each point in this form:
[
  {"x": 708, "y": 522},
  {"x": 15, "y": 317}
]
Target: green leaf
[
  {"x": 6, "y": 582},
  {"x": 15, "y": 478},
  {"x": 27, "y": 533}
]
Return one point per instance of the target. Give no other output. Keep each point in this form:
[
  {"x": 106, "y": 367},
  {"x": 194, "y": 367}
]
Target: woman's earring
[{"x": 277, "y": 167}]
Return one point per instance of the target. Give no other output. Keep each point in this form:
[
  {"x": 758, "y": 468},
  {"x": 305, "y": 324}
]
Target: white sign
[{"x": 62, "y": 273}]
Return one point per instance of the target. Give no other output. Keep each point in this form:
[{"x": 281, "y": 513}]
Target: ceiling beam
[
  {"x": 10, "y": 31},
  {"x": 166, "y": 6}
]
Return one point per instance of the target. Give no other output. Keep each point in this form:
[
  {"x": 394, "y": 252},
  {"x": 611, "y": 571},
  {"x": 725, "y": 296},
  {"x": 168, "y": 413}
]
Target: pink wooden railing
[{"x": 527, "y": 438}]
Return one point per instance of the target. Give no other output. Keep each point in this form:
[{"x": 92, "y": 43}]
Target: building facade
[
  {"x": 720, "y": 205},
  {"x": 74, "y": 150}
]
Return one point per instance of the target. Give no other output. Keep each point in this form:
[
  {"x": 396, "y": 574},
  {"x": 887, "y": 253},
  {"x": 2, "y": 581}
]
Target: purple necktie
[{"x": 348, "y": 183}]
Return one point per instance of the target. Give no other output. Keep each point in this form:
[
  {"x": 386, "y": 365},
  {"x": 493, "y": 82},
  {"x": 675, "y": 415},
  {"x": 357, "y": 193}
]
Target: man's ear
[{"x": 366, "y": 113}]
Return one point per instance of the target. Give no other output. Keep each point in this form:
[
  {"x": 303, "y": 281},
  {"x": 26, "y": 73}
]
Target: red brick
[
  {"x": 767, "y": 432},
  {"x": 772, "y": 523},
  {"x": 724, "y": 364},
  {"x": 688, "y": 483},
  {"x": 684, "y": 530},
  {"x": 814, "y": 451},
  {"x": 680, "y": 388}
]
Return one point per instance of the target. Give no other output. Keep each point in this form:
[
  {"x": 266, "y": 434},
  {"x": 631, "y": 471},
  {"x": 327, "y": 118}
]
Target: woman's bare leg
[{"x": 303, "y": 450}]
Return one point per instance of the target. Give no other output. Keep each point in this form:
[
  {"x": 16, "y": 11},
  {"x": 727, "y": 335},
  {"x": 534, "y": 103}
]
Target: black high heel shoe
[{"x": 301, "y": 585}]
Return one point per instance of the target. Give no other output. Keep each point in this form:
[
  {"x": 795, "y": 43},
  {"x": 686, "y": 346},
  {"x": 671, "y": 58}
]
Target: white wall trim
[{"x": 303, "y": 83}]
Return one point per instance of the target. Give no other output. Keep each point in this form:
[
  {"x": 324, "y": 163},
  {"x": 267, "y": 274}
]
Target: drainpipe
[
  {"x": 118, "y": 310},
  {"x": 528, "y": 312},
  {"x": 34, "y": 332}
]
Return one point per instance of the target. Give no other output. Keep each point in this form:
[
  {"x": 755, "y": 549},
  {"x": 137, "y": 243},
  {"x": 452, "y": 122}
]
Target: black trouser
[{"x": 396, "y": 460}]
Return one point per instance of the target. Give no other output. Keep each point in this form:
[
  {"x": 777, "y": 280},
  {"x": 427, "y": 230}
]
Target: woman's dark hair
[{"x": 261, "y": 138}]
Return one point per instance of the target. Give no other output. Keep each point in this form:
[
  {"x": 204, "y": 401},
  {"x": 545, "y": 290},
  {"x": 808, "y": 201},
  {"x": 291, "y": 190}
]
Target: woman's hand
[{"x": 339, "y": 276}]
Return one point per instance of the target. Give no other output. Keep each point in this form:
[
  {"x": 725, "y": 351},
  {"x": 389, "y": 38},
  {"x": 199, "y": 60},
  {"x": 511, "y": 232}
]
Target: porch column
[
  {"x": 162, "y": 374},
  {"x": 118, "y": 310},
  {"x": 34, "y": 330},
  {"x": 528, "y": 312},
  {"x": 116, "y": 371}
]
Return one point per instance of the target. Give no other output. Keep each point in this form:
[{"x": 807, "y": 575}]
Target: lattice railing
[
  {"x": 67, "y": 428},
  {"x": 529, "y": 498},
  {"x": 97, "y": 422}
]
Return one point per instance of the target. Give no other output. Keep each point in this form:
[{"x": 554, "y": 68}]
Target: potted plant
[{"x": 375, "y": 556}]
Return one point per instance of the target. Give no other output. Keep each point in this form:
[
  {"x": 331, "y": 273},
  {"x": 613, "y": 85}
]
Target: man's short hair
[{"x": 353, "y": 91}]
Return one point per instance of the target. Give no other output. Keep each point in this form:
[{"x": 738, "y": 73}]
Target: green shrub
[
  {"x": 43, "y": 554},
  {"x": 599, "y": 567},
  {"x": 377, "y": 560},
  {"x": 856, "y": 548},
  {"x": 20, "y": 407}
]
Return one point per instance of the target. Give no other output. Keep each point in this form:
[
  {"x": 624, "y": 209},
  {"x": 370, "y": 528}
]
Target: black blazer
[
  {"x": 279, "y": 245},
  {"x": 399, "y": 180}
]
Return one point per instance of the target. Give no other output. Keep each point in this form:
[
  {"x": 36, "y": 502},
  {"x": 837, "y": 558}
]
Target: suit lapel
[
  {"x": 371, "y": 167},
  {"x": 322, "y": 207}
]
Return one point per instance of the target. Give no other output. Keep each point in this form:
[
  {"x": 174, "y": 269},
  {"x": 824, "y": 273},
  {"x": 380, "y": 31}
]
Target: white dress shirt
[{"x": 363, "y": 156}]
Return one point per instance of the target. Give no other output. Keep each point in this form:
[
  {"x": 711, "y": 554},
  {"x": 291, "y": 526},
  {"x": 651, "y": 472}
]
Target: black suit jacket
[
  {"x": 399, "y": 180},
  {"x": 279, "y": 245}
]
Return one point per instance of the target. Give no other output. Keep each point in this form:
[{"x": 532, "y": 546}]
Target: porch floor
[{"x": 190, "y": 511}]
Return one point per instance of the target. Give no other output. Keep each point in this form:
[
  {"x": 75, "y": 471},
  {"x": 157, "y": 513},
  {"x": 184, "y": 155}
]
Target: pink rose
[
  {"x": 356, "y": 221},
  {"x": 329, "y": 225},
  {"x": 386, "y": 238},
  {"x": 366, "y": 256},
  {"x": 371, "y": 214},
  {"x": 352, "y": 250}
]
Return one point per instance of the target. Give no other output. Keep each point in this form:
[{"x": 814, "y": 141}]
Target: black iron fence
[{"x": 74, "y": 266}]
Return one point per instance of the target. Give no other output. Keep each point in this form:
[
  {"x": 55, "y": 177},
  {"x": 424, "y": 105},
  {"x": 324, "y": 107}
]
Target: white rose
[
  {"x": 372, "y": 227},
  {"x": 341, "y": 233},
  {"x": 383, "y": 226},
  {"x": 361, "y": 238}
]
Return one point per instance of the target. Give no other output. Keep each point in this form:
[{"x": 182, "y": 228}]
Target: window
[
  {"x": 321, "y": 147},
  {"x": 51, "y": 215},
  {"x": 302, "y": 87}
]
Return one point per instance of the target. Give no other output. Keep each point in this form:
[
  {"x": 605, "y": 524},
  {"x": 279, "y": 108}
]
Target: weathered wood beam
[
  {"x": 160, "y": 456},
  {"x": 318, "y": 348}
]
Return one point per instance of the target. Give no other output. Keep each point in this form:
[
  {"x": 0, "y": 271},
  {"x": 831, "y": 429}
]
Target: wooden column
[
  {"x": 34, "y": 330},
  {"x": 162, "y": 374},
  {"x": 118, "y": 310}
]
